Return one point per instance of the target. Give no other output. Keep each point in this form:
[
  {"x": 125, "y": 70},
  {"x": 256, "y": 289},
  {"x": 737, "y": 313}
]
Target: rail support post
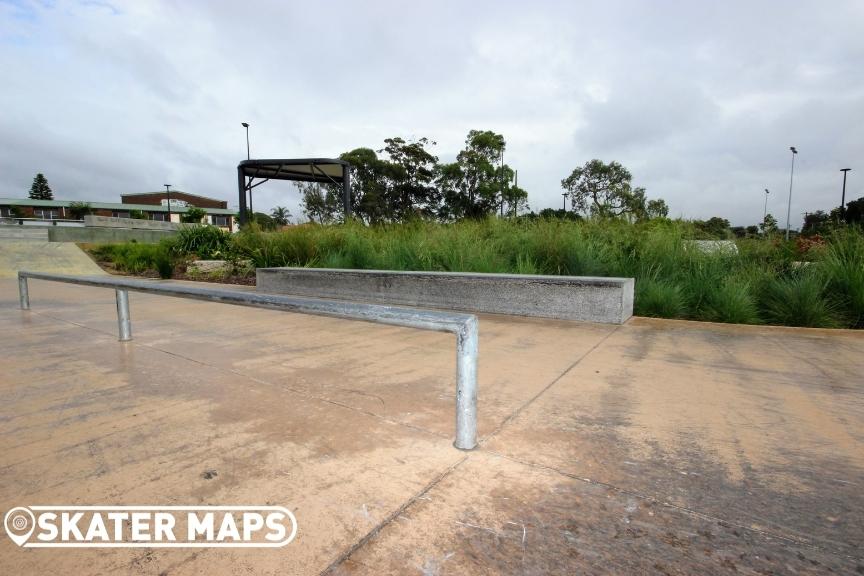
[
  {"x": 123, "y": 319},
  {"x": 467, "y": 341},
  {"x": 23, "y": 293}
]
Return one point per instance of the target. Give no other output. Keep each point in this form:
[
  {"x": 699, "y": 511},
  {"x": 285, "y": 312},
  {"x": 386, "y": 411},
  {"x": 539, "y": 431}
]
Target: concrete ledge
[
  {"x": 590, "y": 299},
  {"x": 96, "y": 235},
  {"x": 110, "y": 222}
]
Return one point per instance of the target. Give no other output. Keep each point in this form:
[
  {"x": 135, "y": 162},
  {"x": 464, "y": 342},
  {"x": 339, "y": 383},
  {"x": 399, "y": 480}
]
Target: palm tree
[{"x": 280, "y": 215}]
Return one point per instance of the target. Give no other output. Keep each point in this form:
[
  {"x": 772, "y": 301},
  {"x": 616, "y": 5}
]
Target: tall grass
[
  {"x": 138, "y": 258},
  {"x": 763, "y": 282}
]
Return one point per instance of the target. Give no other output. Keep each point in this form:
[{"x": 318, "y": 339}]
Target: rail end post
[
  {"x": 124, "y": 321},
  {"x": 467, "y": 344},
  {"x": 23, "y": 292}
]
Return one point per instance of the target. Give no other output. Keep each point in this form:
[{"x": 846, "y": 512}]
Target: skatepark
[{"x": 656, "y": 446}]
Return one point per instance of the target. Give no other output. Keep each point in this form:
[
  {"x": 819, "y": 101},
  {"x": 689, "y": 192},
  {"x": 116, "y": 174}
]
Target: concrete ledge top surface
[{"x": 586, "y": 280}]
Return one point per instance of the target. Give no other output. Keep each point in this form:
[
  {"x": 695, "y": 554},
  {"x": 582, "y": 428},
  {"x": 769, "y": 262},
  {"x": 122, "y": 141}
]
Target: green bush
[
  {"x": 798, "y": 300},
  {"x": 77, "y": 210},
  {"x": 192, "y": 215},
  {"x": 843, "y": 270},
  {"x": 137, "y": 258},
  {"x": 206, "y": 242},
  {"x": 660, "y": 299}
]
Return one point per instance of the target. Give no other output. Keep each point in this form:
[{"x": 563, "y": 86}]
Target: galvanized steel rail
[{"x": 463, "y": 325}]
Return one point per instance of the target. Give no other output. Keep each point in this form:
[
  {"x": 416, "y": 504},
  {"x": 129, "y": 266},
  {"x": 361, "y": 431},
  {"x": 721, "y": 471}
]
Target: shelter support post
[
  {"x": 346, "y": 192},
  {"x": 241, "y": 190}
]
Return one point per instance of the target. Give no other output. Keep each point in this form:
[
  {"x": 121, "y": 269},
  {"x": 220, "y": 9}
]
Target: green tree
[
  {"x": 657, "y": 208},
  {"x": 606, "y": 190},
  {"x": 511, "y": 198},
  {"x": 280, "y": 215},
  {"x": 854, "y": 213},
  {"x": 602, "y": 189},
  {"x": 410, "y": 173},
  {"x": 40, "y": 190},
  {"x": 77, "y": 210},
  {"x": 469, "y": 186},
  {"x": 714, "y": 227},
  {"x": 264, "y": 221},
  {"x": 369, "y": 193},
  {"x": 815, "y": 223},
  {"x": 193, "y": 215},
  {"x": 768, "y": 225},
  {"x": 320, "y": 202},
  {"x": 138, "y": 215}
]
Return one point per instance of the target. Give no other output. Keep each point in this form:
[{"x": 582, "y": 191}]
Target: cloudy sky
[{"x": 700, "y": 100}]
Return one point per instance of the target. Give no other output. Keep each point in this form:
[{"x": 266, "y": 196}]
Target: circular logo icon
[{"x": 19, "y": 523}]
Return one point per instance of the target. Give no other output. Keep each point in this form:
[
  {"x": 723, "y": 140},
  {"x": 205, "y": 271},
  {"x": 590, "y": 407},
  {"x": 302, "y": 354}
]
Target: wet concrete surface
[{"x": 654, "y": 447}]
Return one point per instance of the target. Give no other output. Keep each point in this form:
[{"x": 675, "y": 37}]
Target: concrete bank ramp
[{"x": 44, "y": 256}]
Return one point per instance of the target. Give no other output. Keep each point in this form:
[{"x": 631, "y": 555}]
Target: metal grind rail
[{"x": 464, "y": 326}]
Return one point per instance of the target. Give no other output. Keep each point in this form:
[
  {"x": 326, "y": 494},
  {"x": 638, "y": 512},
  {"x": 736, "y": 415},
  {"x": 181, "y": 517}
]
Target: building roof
[
  {"x": 163, "y": 192},
  {"x": 108, "y": 206},
  {"x": 324, "y": 170}
]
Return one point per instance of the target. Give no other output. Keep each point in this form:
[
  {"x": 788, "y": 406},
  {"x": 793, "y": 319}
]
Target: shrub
[
  {"x": 731, "y": 301},
  {"x": 660, "y": 299},
  {"x": 193, "y": 215},
  {"x": 207, "y": 242},
  {"x": 843, "y": 270},
  {"x": 798, "y": 300},
  {"x": 77, "y": 210}
]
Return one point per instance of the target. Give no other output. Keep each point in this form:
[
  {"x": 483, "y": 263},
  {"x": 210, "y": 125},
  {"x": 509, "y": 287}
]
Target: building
[{"x": 151, "y": 205}]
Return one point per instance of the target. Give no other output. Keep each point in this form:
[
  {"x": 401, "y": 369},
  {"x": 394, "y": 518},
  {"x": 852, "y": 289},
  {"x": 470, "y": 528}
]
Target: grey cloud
[{"x": 700, "y": 100}]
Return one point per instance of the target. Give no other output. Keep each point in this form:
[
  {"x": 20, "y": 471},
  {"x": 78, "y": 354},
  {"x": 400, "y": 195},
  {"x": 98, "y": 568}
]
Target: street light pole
[
  {"x": 791, "y": 176},
  {"x": 843, "y": 198},
  {"x": 168, "y": 194},
  {"x": 765, "y": 212},
  {"x": 248, "y": 157},
  {"x": 564, "y": 194},
  {"x": 502, "y": 183}
]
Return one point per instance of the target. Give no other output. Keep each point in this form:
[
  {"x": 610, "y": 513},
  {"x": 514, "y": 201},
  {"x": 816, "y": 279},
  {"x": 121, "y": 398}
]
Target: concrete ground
[{"x": 654, "y": 447}]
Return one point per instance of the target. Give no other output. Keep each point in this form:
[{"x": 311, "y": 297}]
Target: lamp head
[
  {"x": 245, "y": 124},
  {"x": 845, "y": 169},
  {"x": 794, "y": 151}
]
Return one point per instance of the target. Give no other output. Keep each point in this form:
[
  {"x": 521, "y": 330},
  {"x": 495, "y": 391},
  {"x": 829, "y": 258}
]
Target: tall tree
[
  {"x": 410, "y": 174},
  {"x": 768, "y": 225},
  {"x": 854, "y": 213},
  {"x": 280, "y": 215},
  {"x": 606, "y": 190},
  {"x": 40, "y": 190},
  {"x": 321, "y": 203},
  {"x": 511, "y": 199},
  {"x": 369, "y": 185},
  {"x": 468, "y": 186},
  {"x": 657, "y": 208},
  {"x": 600, "y": 189}
]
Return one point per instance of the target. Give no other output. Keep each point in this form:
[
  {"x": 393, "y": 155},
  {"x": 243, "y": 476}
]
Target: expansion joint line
[
  {"x": 531, "y": 400},
  {"x": 396, "y": 514}
]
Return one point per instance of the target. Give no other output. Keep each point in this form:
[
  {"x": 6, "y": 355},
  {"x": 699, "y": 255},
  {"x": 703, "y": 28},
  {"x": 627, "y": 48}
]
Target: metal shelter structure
[{"x": 320, "y": 170}]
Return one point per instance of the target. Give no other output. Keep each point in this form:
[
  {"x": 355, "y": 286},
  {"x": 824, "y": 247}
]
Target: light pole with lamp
[
  {"x": 248, "y": 157},
  {"x": 765, "y": 211},
  {"x": 843, "y": 198},
  {"x": 168, "y": 194},
  {"x": 564, "y": 195},
  {"x": 791, "y": 176}
]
